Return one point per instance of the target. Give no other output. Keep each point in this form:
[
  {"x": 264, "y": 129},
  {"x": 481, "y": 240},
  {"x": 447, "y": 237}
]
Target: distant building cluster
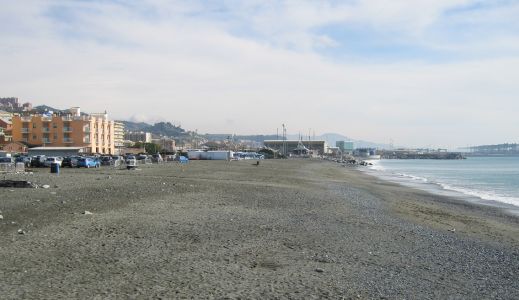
[
  {"x": 297, "y": 147},
  {"x": 95, "y": 133},
  {"x": 22, "y": 128},
  {"x": 345, "y": 147},
  {"x": 12, "y": 103},
  {"x": 138, "y": 137}
]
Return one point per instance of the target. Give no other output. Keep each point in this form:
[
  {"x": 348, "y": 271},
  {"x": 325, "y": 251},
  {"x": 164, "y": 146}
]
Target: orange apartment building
[{"x": 94, "y": 132}]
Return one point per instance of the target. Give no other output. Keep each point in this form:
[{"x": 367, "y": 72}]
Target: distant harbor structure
[
  {"x": 366, "y": 153},
  {"x": 297, "y": 147},
  {"x": 346, "y": 147},
  {"x": 506, "y": 149},
  {"x": 420, "y": 154}
]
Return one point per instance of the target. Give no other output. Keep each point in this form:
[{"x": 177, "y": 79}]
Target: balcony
[
  {"x": 46, "y": 141},
  {"x": 67, "y": 129},
  {"x": 46, "y": 119},
  {"x": 86, "y": 129},
  {"x": 45, "y": 129},
  {"x": 67, "y": 140},
  {"x": 26, "y": 119},
  {"x": 26, "y": 130}
]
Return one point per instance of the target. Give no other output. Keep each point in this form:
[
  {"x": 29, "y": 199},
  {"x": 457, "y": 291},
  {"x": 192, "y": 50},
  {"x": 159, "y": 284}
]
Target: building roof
[
  {"x": 5, "y": 121},
  {"x": 56, "y": 148}
]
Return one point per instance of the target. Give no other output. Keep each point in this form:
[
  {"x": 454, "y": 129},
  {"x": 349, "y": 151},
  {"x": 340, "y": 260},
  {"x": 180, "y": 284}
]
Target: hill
[{"x": 161, "y": 128}]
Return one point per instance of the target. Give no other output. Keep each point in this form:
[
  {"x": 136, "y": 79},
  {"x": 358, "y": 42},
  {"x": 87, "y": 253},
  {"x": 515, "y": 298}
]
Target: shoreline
[
  {"x": 458, "y": 211},
  {"x": 284, "y": 229},
  {"x": 441, "y": 189}
]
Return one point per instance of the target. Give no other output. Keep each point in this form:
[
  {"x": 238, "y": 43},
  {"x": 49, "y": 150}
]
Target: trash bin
[{"x": 54, "y": 168}]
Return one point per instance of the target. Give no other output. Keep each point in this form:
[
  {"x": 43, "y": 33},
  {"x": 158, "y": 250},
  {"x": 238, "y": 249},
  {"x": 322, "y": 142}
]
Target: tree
[{"x": 152, "y": 148}]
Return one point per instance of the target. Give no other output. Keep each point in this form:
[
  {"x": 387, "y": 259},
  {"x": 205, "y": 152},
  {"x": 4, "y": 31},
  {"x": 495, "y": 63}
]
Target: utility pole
[
  {"x": 229, "y": 146},
  {"x": 284, "y": 147}
]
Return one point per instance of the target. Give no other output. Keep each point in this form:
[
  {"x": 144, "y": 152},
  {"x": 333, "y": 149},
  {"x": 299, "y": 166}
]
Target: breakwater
[{"x": 421, "y": 155}]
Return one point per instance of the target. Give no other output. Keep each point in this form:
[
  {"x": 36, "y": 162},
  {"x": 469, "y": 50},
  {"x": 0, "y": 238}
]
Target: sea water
[{"x": 490, "y": 180}]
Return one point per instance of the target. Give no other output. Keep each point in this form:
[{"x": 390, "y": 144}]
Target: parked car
[
  {"x": 131, "y": 162},
  {"x": 170, "y": 157},
  {"x": 88, "y": 162},
  {"x": 52, "y": 160},
  {"x": 106, "y": 160},
  {"x": 6, "y": 160},
  {"x": 156, "y": 158},
  {"x": 118, "y": 160},
  {"x": 38, "y": 161},
  {"x": 26, "y": 160},
  {"x": 69, "y": 161}
]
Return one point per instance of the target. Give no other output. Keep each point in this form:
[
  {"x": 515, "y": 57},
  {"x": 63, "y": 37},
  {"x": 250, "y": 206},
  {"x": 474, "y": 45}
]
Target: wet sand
[{"x": 283, "y": 229}]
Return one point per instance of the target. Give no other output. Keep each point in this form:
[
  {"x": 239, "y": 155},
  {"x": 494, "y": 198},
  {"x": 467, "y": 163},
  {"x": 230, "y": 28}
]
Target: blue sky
[{"x": 423, "y": 72}]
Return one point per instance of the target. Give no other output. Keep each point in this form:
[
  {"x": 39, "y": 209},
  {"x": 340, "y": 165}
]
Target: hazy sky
[{"x": 420, "y": 72}]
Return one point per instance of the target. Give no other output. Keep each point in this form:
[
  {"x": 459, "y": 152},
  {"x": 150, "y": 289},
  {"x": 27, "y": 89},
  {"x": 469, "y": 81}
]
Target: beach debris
[
  {"x": 108, "y": 177},
  {"x": 16, "y": 184},
  {"x": 322, "y": 258},
  {"x": 452, "y": 230},
  {"x": 46, "y": 186},
  {"x": 56, "y": 186},
  {"x": 1, "y": 217},
  {"x": 21, "y": 231},
  {"x": 86, "y": 212},
  {"x": 319, "y": 270}
]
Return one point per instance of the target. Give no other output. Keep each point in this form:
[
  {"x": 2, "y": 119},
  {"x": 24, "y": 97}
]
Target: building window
[
  {"x": 54, "y": 125},
  {"x": 55, "y": 137},
  {"x": 33, "y": 125},
  {"x": 34, "y": 137}
]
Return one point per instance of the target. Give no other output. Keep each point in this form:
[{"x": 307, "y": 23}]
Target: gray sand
[{"x": 284, "y": 229}]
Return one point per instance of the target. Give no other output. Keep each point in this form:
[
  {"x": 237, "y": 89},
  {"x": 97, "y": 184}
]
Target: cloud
[{"x": 264, "y": 63}]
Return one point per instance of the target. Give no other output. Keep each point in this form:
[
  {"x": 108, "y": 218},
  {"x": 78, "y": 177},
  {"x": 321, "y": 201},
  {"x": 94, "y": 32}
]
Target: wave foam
[{"x": 483, "y": 195}]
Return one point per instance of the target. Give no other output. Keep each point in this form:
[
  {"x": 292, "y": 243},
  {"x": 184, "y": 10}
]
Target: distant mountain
[
  {"x": 135, "y": 126},
  {"x": 161, "y": 128}
]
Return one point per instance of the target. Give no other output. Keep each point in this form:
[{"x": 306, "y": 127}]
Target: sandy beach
[{"x": 289, "y": 229}]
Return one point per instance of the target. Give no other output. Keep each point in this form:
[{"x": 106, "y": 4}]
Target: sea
[{"x": 485, "y": 180}]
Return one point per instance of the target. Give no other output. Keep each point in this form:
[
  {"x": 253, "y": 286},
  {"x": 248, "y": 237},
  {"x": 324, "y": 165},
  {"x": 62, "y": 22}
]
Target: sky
[{"x": 420, "y": 73}]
